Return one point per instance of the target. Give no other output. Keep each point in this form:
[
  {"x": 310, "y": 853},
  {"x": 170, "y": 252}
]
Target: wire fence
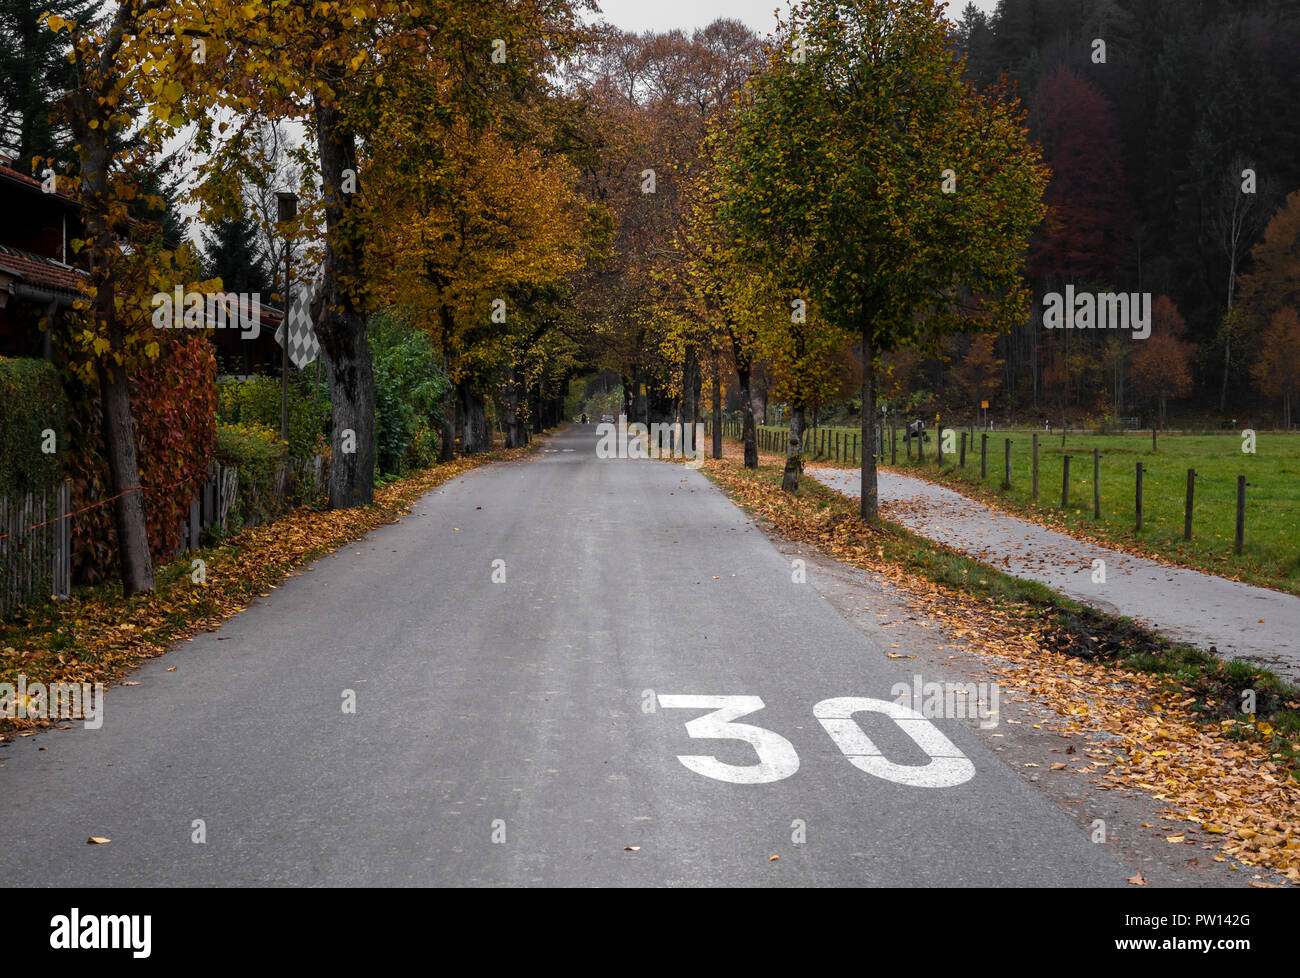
[{"x": 36, "y": 529}]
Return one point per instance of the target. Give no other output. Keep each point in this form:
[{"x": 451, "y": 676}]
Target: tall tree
[
  {"x": 980, "y": 374},
  {"x": 34, "y": 66},
  {"x": 231, "y": 252},
  {"x": 1275, "y": 280},
  {"x": 1161, "y": 367},
  {"x": 1277, "y": 371},
  {"x": 1087, "y": 228},
  {"x": 876, "y": 122},
  {"x": 1236, "y": 215},
  {"x": 353, "y": 71},
  {"x": 105, "y": 102}
]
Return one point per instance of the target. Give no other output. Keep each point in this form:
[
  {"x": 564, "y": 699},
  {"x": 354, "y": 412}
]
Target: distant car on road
[{"x": 606, "y": 419}]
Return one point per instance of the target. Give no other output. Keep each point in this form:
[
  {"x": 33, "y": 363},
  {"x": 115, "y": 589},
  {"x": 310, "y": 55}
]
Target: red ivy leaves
[{"x": 174, "y": 402}]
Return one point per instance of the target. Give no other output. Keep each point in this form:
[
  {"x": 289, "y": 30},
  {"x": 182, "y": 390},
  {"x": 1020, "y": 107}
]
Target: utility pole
[{"x": 288, "y": 202}]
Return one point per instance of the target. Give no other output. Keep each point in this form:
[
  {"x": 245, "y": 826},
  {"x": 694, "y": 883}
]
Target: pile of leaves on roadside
[
  {"x": 1155, "y": 718},
  {"x": 98, "y": 636}
]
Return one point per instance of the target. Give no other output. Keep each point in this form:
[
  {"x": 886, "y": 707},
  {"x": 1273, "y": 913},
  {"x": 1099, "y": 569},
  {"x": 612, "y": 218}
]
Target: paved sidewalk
[{"x": 1237, "y": 620}]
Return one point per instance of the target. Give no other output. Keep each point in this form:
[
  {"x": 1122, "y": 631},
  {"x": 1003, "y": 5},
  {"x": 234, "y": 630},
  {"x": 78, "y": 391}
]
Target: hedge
[
  {"x": 409, "y": 389},
  {"x": 32, "y": 403},
  {"x": 257, "y": 401},
  {"x": 259, "y": 455}
]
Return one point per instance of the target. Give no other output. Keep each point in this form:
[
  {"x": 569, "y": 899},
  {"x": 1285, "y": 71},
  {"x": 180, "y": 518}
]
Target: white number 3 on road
[{"x": 777, "y": 758}]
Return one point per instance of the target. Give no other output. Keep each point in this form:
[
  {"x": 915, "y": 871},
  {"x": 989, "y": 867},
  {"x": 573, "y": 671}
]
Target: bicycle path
[{"x": 1232, "y": 619}]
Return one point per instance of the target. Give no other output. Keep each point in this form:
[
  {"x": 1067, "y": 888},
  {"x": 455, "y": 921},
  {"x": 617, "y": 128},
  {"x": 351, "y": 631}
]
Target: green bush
[
  {"x": 258, "y": 453},
  {"x": 31, "y": 403},
  {"x": 257, "y": 401},
  {"x": 409, "y": 389}
]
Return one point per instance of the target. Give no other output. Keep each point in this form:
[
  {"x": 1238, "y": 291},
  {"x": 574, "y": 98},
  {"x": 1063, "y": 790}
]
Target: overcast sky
[{"x": 664, "y": 15}]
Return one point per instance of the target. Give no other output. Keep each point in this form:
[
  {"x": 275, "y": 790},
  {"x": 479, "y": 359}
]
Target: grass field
[{"x": 1271, "y": 552}]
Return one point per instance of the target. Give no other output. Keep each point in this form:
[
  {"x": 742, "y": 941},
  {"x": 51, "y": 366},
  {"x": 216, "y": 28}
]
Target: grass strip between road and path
[
  {"x": 1161, "y": 717},
  {"x": 99, "y": 636}
]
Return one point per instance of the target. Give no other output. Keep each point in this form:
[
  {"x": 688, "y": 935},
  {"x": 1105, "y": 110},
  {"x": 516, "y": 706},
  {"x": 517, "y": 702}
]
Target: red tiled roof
[
  {"x": 7, "y": 171},
  {"x": 265, "y": 314},
  {"x": 37, "y": 270}
]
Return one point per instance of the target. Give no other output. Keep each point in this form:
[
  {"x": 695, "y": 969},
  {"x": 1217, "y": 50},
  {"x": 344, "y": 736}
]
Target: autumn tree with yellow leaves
[
  {"x": 912, "y": 196},
  {"x": 154, "y": 68}
]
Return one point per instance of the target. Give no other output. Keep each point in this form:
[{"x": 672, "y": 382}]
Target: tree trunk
[
  {"x": 535, "y": 409},
  {"x": 1227, "y": 360},
  {"x": 352, "y": 403},
  {"x": 640, "y": 405},
  {"x": 717, "y": 404},
  {"x": 515, "y": 433},
  {"x": 794, "y": 457},
  {"x": 342, "y": 329},
  {"x": 690, "y": 385},
  {"x": 869, "y": 506},
  {"x": 748, "y": 433},
  {"x": 134, "y": 560},
  {"x": 474, "y": 415},
  {"x": 447, "y": 450}
]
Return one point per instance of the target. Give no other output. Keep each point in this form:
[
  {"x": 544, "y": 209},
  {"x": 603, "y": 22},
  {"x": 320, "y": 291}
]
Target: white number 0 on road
[
  {"x": 777, "y": 758},
  {"x": 947, "y": 766},
  {"x": 776, "y": 755}
]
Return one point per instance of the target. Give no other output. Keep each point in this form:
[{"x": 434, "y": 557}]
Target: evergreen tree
[
  {"x": 33, "y": 71},
  {"x": 231, "y": 253}
]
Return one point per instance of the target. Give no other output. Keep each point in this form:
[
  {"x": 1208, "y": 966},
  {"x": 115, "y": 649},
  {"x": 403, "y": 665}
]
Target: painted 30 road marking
[{"x": 777, "y": 758}]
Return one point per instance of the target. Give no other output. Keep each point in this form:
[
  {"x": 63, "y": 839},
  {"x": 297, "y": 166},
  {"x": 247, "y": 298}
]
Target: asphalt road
[
  {"x": 1234, "y": 619},
  {"x": 500, "y": 735}
]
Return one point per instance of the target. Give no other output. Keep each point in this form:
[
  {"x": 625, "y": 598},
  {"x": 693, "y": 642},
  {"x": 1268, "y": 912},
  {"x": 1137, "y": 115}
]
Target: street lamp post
[{"x": 288, "y": 202}]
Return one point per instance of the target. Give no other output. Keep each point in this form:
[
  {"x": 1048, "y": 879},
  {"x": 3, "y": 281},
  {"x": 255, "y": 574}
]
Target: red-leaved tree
[
  {"x": 1161, "y": 367},
  {"x": 1089, "y": 220}
]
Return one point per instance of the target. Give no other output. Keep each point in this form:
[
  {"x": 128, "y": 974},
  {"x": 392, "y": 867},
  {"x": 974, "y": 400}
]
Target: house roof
[
  {"x": 7, "y": 172},
  {"x": 51, "y": 274},
  {"x": 42, "y": 271}
]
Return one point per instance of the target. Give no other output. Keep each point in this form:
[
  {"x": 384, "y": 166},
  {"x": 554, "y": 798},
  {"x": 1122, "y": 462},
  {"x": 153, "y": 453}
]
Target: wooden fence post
[
  {"x": 1187, "y": 512},
  {"x": 1241, "y": 515},
  {"x": 1138, "y": 500},
  {"x": 1006, "y": 478},
  {"x": 62, "y": 569},
  {"x": 962, "y": 463},
  {"x": 1096, "y": 484},
  {"x": 1035, "y": 467},
  {"x": 1065, "y": 483},
  {"x": 984, "y": 455}
]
